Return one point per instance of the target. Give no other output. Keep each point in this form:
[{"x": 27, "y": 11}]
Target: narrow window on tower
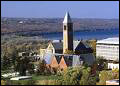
[{"x": 64, "y": 27}]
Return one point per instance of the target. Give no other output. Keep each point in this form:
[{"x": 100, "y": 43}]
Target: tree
[
  {"x": 77, "y": 76},
  {"x": 70, "y": 76},
  {"x": 41, "y": 67},
  {"x": 115, "y": 73},
  {"x": 85, "y": 76},
  {"x": 23, "y": 63},
  {"x": 5, "y": 63},
  {"x": 92, "y": 43},
  {"x": 101, "y": 63}
]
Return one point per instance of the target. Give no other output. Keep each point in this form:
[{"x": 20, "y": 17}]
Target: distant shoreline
[
  {"x": 38, "y": 26},
  {"x": 39, "y": 33}
]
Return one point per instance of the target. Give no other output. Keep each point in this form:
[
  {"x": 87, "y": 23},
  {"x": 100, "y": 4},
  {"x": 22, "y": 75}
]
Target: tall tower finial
[{"x": 67, "y": 18}]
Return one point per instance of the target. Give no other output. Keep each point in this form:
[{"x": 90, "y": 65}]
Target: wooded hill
[{"x": 48, "y": 25}]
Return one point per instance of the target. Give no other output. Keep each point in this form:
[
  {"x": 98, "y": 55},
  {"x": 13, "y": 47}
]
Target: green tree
[
  {"x": 24, "y": 63},
  {"x": 85, "y": 76},
  {"x": 92, "y": 80},
  {"x": 101, "y": 63},
  {"x": 41, "y": 67},
  {"x": 77, "y": 76},
  {"x": 70, "y": 76},
  {"x": 92, "y": 43},
  {"x": 5, "y": 63}
]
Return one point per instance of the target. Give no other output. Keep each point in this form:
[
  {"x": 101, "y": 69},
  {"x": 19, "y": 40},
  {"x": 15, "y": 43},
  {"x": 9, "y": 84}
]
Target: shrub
[
  {"x": 85, "y": 76},
  {"x": 104, "y": 76},
  {"x": 115, "y": 73},
  {"x": 3, "y": 82}
]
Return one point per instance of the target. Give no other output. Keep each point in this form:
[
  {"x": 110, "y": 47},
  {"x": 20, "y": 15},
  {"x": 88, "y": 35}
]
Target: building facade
[
  {"x": 112, "y": 82},
  {"x": 108, "y": 48},
  {"x": 113, "y": 66}
]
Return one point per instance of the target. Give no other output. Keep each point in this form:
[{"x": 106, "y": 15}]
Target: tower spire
[{"x": 67, "y": 18}]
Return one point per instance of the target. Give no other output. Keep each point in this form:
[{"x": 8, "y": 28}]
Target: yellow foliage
[
  {"x": 116, "y": 73},
  {"x": 3, "y": 82},
  {"x": 69, "y": 52},
  {"x": 115, "y": 70}
]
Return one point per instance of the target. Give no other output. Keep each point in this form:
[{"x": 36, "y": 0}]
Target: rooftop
[
  {"x": 21, "y": 78},
  {"x": 114, "y": 40}
]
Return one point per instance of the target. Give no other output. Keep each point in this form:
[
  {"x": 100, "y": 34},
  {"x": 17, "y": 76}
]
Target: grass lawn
[
  {"x": 36, "y": 80},
  {"x": 44, "y": 77}
]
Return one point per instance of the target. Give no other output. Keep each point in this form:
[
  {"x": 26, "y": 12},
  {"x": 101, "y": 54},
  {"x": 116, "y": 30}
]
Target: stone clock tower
[{"x": 67, "y": 33}]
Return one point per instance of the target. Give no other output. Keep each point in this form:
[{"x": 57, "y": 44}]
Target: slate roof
[
  {"x": 58, "y": 58},
  {"x": 88, "y": 58},
  {"x": 77, "y": 45},
  {"x": 58, "y": 45},
  {"x": 83, "y": 47},
  {"x": 48, "y": 58},
  {"x": 71, "y": 60},
  {"x": 68, "y": 60}
]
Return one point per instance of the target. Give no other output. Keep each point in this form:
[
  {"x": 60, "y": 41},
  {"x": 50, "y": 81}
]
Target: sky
[{"x": 55, "y": 9}]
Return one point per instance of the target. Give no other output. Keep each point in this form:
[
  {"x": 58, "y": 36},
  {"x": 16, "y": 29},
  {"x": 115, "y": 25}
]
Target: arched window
[{"x": 64, "y": 27}]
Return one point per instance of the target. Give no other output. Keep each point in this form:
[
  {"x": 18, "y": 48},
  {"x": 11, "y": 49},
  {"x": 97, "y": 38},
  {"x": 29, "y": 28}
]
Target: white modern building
[
  {"x": 113, "y": 66},
  {"x": 108, "y": 48},
  {"x": 112, "y": 82}
]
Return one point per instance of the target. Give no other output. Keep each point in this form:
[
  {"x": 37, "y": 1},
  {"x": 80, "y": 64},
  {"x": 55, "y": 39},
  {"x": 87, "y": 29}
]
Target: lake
[{"x": 99, "y": 34}]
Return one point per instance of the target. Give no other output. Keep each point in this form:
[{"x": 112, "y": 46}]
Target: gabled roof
[
  {"x": 58, "y": 45},
  {"x": 48, "y": 58},
  {"x": 75, "y": 44},
  {"x": 88, "y": 58},
  {"x": 58, "y": 58},
  {"x": 78, "y": 45},
  {"x": 83, "y": 47},
  {"x": 113, "y": 40}
]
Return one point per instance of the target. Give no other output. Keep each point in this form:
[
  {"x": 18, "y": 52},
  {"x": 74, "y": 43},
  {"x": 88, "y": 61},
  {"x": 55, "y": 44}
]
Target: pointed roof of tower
[{"x": 67, "y": 18}]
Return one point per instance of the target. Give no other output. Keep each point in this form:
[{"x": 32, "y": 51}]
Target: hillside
[{"x": 48, "y": 25}]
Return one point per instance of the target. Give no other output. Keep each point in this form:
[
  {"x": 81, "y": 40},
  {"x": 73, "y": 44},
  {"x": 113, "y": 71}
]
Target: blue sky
[{"x": 54, "y": 9}]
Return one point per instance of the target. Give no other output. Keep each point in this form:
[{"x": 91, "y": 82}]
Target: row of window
[
  {"x": 109, "y": 56},
  {"x": 106, "y": 51},
  {"x": 107, "y": 47}
]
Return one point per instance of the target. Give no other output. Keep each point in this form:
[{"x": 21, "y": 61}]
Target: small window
[{"x": 64, "y": 27}]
